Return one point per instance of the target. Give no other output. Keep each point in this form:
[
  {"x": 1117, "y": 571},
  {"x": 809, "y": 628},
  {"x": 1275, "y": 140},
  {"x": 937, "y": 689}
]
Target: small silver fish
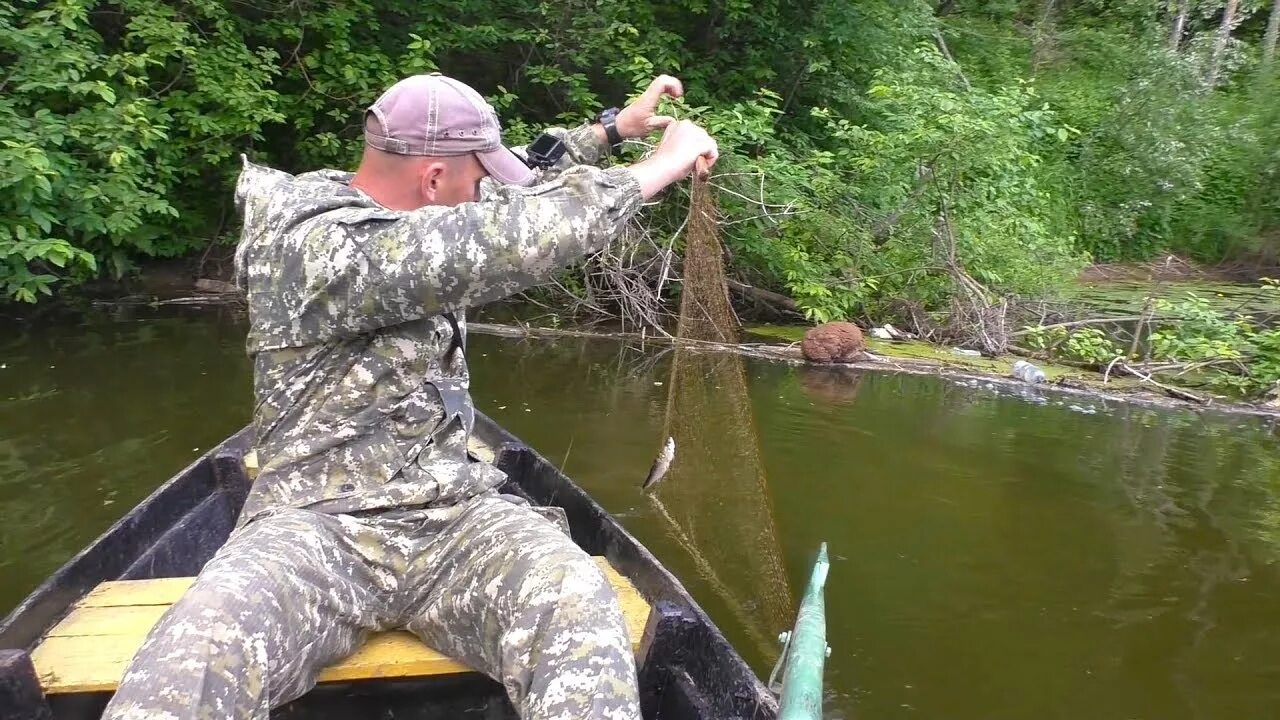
[{"x": 661, "y": 464}]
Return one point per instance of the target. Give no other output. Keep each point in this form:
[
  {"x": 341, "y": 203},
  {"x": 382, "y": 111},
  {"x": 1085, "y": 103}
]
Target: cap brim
[{"x": 506, "y": 167}]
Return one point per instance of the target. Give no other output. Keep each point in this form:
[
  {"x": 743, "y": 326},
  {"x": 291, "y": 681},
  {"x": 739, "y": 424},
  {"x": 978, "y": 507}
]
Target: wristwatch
[{"x": 609, "y": 119}]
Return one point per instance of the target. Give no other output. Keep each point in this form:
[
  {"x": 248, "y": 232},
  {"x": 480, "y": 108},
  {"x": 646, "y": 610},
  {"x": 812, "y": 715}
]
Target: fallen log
[{"x": 767, "y": 297}]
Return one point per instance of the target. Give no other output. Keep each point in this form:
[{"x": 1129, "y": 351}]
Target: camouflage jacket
[{"x": 361, "y": 389}]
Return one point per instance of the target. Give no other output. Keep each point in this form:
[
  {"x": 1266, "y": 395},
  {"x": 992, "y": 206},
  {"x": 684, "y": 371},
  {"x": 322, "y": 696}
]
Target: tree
[
  {"x": 1179, "y": 25},
  {"x": 1042, "y": 46},
  {"x": 1269, "y": 40},
  {"x": 1220, "y": 44}
]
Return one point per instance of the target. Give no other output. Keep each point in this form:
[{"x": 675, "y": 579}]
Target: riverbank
[
  {"x": 781, "y": 343},
  {"x": 182, "y": 282}
]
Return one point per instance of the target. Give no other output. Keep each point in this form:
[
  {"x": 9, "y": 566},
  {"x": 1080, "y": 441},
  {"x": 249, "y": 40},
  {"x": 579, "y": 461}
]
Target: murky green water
[
  {"x": 993, "y": 556},
  {"x": 1128, "y": 297}
]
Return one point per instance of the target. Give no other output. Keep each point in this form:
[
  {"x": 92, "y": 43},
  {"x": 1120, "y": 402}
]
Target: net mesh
[
  {"x": 716, "y": 500},
  {"x": 705, "y": 312}
]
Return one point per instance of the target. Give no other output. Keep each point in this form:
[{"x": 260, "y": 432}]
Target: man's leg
[
  {"x": 286, "y": 596},
  {"x": 505, "y": 591}
]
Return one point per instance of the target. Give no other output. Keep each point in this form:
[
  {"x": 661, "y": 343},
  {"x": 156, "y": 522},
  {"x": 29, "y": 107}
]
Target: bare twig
[
  {"x": 772, "y": 298},
  {"x": 1175, "y": 392},
  {"x": 975, "y": 319},
  {"x": 1148, "y": 307},
  {"x": 629, "y": 280},
  {"x": 946, "y": 52},
  {"x": 1106, "y": 376}
]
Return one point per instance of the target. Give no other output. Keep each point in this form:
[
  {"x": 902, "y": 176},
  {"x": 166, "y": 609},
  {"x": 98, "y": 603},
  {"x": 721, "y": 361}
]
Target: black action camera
[{"x": 545, "y": 151}]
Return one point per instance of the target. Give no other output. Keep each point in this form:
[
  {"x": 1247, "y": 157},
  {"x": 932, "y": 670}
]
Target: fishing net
[
  {"x": 705, "y": 312},
  {"x": 716, "y": 498}
]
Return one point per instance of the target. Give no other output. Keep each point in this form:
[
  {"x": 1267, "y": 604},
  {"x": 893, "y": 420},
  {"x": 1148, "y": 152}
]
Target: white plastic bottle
[{"x": 1028, "y": 373}]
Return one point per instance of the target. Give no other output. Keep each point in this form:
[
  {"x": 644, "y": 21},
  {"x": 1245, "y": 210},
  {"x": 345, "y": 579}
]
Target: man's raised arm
[
  {"x": 443, "y": 259},
  {"x": 589, "y": 144}
]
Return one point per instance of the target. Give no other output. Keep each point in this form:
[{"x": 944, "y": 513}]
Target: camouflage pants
[{"x": 488, "y": 582}]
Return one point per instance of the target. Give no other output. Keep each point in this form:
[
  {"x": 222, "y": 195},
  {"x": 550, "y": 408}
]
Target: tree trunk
[
  {"x": 1042, "y": 45},
  {"x": 1179, "y": 25},
  {"x": 1269, "y": 40},
  {"x": 941, "y": 44},
  {"x": 1220, "y": 45}
]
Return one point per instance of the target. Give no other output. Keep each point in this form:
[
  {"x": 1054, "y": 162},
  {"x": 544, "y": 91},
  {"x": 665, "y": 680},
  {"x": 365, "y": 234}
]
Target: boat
[{"x": 687, "y": 670}]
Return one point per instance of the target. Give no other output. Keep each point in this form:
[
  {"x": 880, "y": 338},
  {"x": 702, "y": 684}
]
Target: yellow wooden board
[{"x": 89, "y": 650}]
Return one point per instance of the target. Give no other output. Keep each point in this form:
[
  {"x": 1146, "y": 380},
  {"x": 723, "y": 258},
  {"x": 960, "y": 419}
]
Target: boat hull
[{"x": 687, "y": 669}]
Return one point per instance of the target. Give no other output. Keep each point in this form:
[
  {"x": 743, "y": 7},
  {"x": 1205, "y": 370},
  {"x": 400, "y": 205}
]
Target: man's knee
[
  {"x": 211, "y": 624},
  {"x": 213, "y": 607},
  {"x": 203, "y": 656},
  {"x": 570, "y": 581},
  {"x": 576, "y": 630}
]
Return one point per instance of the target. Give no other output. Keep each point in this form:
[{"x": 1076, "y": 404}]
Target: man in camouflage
[{"x": 367, "y": 513}]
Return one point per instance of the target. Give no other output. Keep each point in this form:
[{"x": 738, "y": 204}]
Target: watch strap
[{"x": 609, "y": 119}]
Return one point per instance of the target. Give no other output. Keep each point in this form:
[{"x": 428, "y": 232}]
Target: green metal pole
[{"x": 807, "y": 650}]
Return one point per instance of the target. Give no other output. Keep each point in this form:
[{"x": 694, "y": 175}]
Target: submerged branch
[
  {"x": 1079, "y": 323},
  {"x": 1175, "y": 392}
]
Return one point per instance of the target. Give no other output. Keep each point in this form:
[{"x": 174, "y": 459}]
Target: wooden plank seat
[{"x": 89, "y": 650}]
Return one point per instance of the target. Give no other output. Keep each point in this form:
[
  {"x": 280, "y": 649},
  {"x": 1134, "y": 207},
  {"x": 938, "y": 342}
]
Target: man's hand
[
  {"x": 638, "y": 118},
  {"x": 682, "y": 144}
]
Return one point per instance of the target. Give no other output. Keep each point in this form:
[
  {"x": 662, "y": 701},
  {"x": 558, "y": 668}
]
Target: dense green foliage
[
  {"x": 856, "y": 148},
  {"x": 1189, "y": 342}
]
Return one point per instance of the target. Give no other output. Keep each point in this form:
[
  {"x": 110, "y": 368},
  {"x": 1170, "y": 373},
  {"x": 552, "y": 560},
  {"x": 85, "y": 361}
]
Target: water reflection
[{"x": 830, "y": 384}]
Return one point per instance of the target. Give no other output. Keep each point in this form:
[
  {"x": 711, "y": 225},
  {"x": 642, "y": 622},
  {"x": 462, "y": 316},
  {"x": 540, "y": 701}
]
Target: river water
[{"x": 994, "y": 555}]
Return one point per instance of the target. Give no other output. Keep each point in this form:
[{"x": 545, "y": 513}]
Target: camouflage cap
[{"x": 438, "y": 116}]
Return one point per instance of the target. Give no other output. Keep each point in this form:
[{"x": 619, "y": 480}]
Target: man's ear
[{"x": 430, "y": 181}]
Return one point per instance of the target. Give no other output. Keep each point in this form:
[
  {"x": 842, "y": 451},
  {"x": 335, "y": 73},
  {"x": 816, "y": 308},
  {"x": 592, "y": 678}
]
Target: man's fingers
[
  {"x": 658, "y": 122},
  {"x": 711, "y": 155},
  {"x": 665, "y": 84}
]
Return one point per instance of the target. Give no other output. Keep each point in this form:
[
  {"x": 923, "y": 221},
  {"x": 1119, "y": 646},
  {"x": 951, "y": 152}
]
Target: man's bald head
[{"x": 408, "y": 182}]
